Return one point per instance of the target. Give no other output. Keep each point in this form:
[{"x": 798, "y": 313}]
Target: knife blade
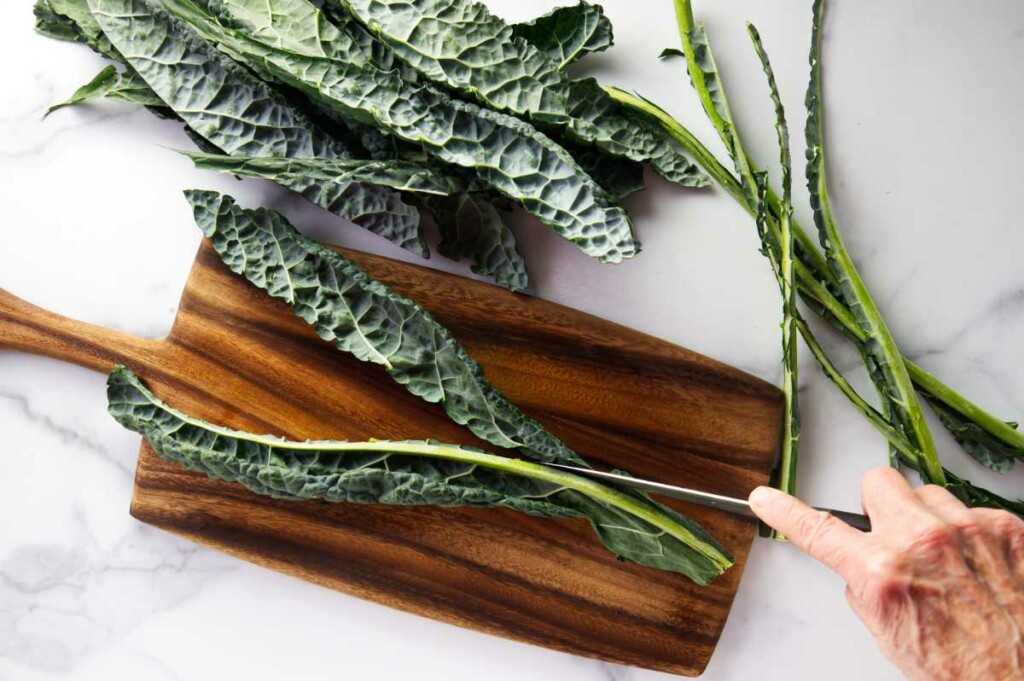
[{"x": 716, "y": 501}]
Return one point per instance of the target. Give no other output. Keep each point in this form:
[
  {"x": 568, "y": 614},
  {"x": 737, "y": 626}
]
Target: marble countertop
[{"x": 924, "y": 99}]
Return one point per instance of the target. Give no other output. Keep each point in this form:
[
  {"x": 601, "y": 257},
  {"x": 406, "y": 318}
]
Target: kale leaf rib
[
  {"x": 784, "y": 476},
  {"x": 880, "y": 344},
  {"x": 415, "y": 473},
  {"x": 813, "y": 282}
]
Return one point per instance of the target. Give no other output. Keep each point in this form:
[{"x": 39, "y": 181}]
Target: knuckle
[
  {"x": 875, "y": 475},
  {"x": 998, "y": 522},
  {"x": 931, "y": 492},
  {"x": 885, "y": 576},
  {"x": 1007, "y": 524},
  {"x": 888, "y": 589},
  {"x": 932, "y": 537},
  {"x": 1015, "y": 549},
  {"x": 931, "y": 489},
  {"x": 884, "y": 564},
  {"x": 971, "y": 525}
]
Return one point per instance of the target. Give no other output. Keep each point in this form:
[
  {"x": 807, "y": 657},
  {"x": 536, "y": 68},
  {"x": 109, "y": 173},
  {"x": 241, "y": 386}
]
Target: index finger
[{"x": 817, "y": 533}]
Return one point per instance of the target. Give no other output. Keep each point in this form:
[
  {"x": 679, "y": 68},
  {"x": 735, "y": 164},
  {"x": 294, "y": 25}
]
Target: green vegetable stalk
[
  {"x": 416, "y": 473},
  {"x": 993, "y": 441},
  {"x": 880, "y": 345},
  {"x": 784, "y": 476}
]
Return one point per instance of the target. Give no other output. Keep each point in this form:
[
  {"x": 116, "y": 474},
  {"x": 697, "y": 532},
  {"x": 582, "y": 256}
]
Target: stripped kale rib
[
  {"x": 508, "y": 154},
  {"x": 784, "y": 476},
  {"x": 986, "y": 450},
  {"x": 367, "y": 319},
  {"x": 700, "y": 64},
  {"x": 596, "y": 118},
  {"x": 819, "y": 297},
  {"x": 975, "y": 496},
  {"x": 973, "y": 427},
  {"x": 707, "y": 83},
  {"x": 482, "y": 58},
  {"x": 566, "y": 34},
  {"x": 416, "y": 473},
  {"x": 880, "y": 344}
]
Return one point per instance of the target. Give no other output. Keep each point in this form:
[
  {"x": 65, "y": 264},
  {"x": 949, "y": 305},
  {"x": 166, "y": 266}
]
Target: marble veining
[{"x": 95, "y": 227}]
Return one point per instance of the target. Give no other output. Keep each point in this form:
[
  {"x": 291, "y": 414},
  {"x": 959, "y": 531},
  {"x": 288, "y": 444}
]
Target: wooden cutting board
[{"x": 618, "y": 397}]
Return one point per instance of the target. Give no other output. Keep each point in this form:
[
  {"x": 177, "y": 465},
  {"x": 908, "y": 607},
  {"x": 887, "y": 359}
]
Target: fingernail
[{"x": 761, "y": 496}]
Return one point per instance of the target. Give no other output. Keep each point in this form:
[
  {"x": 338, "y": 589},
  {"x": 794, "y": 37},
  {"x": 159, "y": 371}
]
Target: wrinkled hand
[{"x": 939, "y": 585}]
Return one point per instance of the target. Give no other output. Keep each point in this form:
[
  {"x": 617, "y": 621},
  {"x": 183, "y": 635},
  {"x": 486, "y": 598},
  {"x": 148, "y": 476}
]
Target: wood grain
[{"x": 619, "y": 397}]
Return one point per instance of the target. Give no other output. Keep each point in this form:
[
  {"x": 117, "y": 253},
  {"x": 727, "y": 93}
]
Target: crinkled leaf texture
[
  {"x": 620, "y": 177},
  {"x": 473, "y": 227},
  {"x": 508, "y": 271},
  {"x": 415, "y": 473},
  {"x": 461, "y": 45},
  {"x": 239, "y": 114},
  {"x": 52, "y": 24},
  {"x": 508, "y": 154},
  {"x": 365, "y": 318},
  {"x": 986, "y": 450},
  {"x": 568, "y": 33},
  {"x": 472, "y": 224}
]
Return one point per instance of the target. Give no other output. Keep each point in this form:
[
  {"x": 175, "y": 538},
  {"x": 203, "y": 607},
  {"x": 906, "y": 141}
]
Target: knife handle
[{"x": 855, "y": 520}]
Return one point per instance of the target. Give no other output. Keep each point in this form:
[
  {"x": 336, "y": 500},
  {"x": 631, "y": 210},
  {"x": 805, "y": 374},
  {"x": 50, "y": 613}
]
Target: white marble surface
[{"x": 925, "y": 98}]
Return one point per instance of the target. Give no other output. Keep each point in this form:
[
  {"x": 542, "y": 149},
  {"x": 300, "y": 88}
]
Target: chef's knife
[{"x": 718, "y": 501}]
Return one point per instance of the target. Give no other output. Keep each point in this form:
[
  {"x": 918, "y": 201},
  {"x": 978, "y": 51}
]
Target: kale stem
[
  {"x": 992, "y": 425},
  {"x": 122, "y": 378},
  {"x": 811, "y": 268},
  {"x": 884, "y": 426},
  {"x": 811, "y": 265},
  {"x": 807, "y": 243},
  {"x": 785, "y": 474},
  {"x": 881, "y": 346}
]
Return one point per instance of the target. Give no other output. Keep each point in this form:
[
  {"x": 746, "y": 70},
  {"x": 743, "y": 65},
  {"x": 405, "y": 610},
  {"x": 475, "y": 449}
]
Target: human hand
[{"x": 939, "y": 585}]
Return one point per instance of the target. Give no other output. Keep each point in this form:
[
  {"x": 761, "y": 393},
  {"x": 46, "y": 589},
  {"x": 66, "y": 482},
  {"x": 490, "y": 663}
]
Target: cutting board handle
[{"x": 31, "y": 329}]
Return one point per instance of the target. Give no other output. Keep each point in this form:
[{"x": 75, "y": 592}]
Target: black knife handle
[{"x": 854, "y": 520}]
